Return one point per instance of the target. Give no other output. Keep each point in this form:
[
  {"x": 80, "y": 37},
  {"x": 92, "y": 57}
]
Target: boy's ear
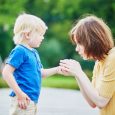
[{"x": 26, "y": 35}]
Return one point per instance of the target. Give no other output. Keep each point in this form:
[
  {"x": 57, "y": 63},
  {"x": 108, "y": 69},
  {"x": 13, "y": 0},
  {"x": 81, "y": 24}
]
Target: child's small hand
[
  {"x": 60, "y": 70},
  {"x": 23, "y": 100}
]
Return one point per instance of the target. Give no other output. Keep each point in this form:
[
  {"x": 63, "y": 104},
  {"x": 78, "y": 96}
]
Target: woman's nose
[{"x": 77, "y": 49}]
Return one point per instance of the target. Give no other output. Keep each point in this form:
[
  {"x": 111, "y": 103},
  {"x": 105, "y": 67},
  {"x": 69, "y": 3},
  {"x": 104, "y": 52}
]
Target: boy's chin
[{"x": 37, "y": 46}]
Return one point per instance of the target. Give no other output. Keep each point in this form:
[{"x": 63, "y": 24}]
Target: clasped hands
[{"x": 69, "y": 67}]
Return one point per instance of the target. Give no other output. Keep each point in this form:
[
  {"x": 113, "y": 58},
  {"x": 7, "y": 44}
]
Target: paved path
[{"x": 54, "y": 102}]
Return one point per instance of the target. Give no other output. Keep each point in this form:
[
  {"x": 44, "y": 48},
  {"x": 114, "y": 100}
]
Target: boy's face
[{"x": 36, "y": 39}]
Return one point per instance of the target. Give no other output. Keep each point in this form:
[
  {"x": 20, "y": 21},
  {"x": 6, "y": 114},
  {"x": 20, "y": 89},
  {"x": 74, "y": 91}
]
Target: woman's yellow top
[{"x": 104, "y": 81}]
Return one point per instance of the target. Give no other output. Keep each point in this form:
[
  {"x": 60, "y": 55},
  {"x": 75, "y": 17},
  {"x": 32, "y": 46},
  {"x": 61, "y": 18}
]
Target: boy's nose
[{"x": 42, "y": 37}]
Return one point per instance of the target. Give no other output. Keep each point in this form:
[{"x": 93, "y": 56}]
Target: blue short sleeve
[{"x": 16, "y": 57}]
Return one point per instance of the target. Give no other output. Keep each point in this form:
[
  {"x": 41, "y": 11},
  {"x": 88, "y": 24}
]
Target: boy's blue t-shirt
[{"x": 27, "y": 72}]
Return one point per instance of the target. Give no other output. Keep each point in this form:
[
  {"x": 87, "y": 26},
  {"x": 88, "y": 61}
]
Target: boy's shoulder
[
  {"x": 35, "y": 50},
  {"x": 22, "y": 50},
  {"x": 18, "y": 49}
]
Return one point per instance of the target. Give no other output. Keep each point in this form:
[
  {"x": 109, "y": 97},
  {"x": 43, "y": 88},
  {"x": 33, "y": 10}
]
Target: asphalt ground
[{"x": 54, "y": 101}]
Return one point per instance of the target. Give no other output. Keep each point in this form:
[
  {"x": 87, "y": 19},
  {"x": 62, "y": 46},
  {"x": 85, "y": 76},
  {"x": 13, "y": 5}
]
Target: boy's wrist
[
  {"x": 56, "y": 70},
  {"x": 18, "y": 92}
]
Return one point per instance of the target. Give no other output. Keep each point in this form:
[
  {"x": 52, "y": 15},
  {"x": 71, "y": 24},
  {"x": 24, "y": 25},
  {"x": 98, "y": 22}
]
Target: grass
[
  {"x": 3, "y": 84},
  {"x": 63, "y": 81},
  {"x": 58, "y": 81}
]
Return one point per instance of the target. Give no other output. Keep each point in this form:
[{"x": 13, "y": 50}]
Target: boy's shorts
[{"x": 15, "y": 110}]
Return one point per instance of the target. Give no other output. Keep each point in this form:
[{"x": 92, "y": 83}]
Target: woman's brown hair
[{"x": 94, "y": 35}]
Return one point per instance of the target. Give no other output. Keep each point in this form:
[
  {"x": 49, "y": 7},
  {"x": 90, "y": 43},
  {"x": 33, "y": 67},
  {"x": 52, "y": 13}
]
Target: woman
[{"x": 93, "y": 40}]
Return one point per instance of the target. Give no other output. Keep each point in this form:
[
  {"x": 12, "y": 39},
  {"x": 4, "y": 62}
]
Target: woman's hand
[
  {"x": 61, "y": 71},
  {"x": 70, "y": 67}
]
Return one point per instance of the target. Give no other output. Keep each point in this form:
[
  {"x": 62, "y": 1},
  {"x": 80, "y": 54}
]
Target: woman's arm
[
  {"x": 90, "y": 102},
  {"x": 90, "y": 93}
]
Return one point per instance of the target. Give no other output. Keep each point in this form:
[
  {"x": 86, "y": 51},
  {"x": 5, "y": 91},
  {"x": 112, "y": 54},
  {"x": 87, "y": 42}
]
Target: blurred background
[{"x": 60, "y": 16}]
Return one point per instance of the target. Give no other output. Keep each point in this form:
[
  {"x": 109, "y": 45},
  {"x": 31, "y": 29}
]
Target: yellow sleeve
[{"x": 107, "y": 82}]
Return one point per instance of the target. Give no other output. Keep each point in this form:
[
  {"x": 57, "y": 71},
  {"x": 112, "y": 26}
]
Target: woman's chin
[{"x": 84, "y": 58}]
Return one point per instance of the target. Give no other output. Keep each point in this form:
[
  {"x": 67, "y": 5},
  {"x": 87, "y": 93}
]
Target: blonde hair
[
  {"x": 94, "y": 35},
  {"x": 27, "y": 23}
]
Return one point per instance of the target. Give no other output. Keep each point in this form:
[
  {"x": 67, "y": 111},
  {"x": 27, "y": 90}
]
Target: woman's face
[{"x": 81, "y": 51}]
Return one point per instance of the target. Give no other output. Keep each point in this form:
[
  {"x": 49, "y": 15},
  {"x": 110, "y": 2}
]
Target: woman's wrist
[{"x": 80, "y": 74}]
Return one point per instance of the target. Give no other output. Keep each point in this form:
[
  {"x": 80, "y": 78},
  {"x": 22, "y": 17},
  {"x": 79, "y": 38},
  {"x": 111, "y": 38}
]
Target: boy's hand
[
  {"x": 23, "y": 100},
  {"x": 61, "y": 71}
]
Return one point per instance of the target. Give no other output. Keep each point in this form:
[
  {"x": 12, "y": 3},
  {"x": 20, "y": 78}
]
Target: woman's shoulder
[
  {"x": 110, "y": 58},
  {"x": 111, "y": 54}
]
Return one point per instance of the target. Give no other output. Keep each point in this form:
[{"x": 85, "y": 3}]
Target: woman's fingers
[
  {"x": 64, "y": 68},
  {"x": 64, "y": 61},
  {"x": 64, "y": 65}
]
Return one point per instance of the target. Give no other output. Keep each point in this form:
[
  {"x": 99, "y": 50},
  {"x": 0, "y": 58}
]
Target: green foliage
[
  {"x": 60, "y": 16},
  {"x": 102, "y": 8},
  {"x": 53, "y": 51},
  {"x": 10, "y": 9}
]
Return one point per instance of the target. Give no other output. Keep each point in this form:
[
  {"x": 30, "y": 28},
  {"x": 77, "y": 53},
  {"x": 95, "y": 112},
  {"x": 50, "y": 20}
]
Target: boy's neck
[{"x": 26, "y": 45}]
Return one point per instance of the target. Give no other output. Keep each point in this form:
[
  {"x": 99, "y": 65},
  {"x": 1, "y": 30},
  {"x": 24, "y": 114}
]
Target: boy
[{"x": 23, "y": 69}]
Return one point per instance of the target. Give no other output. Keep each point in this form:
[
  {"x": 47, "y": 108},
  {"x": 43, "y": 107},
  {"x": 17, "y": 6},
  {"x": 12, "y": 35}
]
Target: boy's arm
[
  {"x": 49, "y": 72},
  {"x": 9, "y": 78}
]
